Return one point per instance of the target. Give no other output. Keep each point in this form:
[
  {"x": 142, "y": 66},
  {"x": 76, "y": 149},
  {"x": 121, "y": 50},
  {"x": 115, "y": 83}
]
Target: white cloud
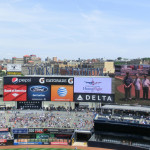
[{"x": 82, "y": 33}]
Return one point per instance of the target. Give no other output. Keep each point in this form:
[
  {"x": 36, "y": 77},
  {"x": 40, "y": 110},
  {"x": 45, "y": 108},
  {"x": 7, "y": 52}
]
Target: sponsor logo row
[
  {"x": 40, "y": 130},
  {"x": 38, "y": 93},
  {"x": 17, "y": 80},
  {"x": 81, "y": 84},
  {"x": 52, "y": 93}
]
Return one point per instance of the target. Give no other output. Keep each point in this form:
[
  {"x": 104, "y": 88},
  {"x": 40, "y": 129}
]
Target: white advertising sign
[
  {"x": 13, "y": 67},
  {"x": 92, "y": 85}
]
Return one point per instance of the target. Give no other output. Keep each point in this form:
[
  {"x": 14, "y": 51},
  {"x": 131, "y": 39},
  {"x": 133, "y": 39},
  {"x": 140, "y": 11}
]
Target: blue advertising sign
[
  {"x": 20, "y": 131},
  {"x": 38, "y": 93}
]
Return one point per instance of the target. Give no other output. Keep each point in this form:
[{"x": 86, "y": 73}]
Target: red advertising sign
[
  {"x": 59, "y": 143},
  {"x": 15, "y": 93},
  {"x": 3, "y": 140},
  {"x": 3, "y": 129}
]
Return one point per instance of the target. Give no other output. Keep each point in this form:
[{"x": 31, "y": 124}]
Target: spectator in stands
[
  {"x": 137, "y": 84},
  {"x": 127, "y": 86},
  {"x": 145, "y": 85}
]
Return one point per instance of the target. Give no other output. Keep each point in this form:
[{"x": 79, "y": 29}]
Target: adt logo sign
[
  {"x": 62, "y": 91},
  {"x": 14, "y": 80}
]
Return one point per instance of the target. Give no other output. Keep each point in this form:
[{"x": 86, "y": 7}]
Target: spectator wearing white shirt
[
  {"x": 137, "y": 84},
  {"x": 145, "y": 85}
]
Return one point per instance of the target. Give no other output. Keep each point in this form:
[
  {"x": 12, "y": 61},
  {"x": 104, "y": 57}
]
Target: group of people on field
[{"x": 138, "y": 84}]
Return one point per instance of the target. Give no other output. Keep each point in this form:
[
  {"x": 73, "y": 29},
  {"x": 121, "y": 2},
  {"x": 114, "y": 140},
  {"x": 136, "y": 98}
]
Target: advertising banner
[
  {"x": 35, "y": 130},
  {"x": 59, "y": 143},
  {"x": 15, "y": 92},
  {"x": 14, "y": 67},
  {"x": 20, "y": 131},
  {"x": 38, "y": 89},
  {"x": 88, "y": 97},
  {"x": 3, "y": 140},
  {"x": 56, "y": 80},
  {"x": 42, "y": 136},
  {"x": 38, "y": 93},
  {"x": 28, "y": 143},
  {"x": 62, "y": 131},
  {"x": 39, "y": 80},
  {"x": 62, "y": 93},
  {"x": 92, "y": 85},
  {"x": 29, "y": 105},
  {"x": 18, "y": 80},
  {"x": 13, "y": 73},
  {"x": 4, "y": 129}
]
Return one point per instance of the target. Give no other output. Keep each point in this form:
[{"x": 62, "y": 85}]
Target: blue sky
[{"x": 72, "y": 29}]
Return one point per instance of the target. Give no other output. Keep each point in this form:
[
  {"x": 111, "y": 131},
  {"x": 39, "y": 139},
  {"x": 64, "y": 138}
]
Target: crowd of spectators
[
  {"x": 50, "y": 119},
  {"x": 5, "y": 135}
]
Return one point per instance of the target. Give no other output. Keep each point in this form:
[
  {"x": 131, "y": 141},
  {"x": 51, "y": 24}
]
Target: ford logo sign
[{"x": 39, "y": 89}]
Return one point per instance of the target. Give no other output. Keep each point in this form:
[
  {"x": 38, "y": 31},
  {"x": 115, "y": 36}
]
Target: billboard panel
[
  {"x": 13, "y": 73},
  {"x": 20, "y": 131},
  {"x": 39, "y": 80},
  {"x": 18, "y": 80},
  {"x": 14, "y": 67},
  {"x": 29, "y": 105},
  {"x": 15, "y": 92},
  {"x": 92, "y": 85},
  {"x": 38, "y": 93},
  {"x": 61, "y": 93},
  {"x": 88, "y": 97}
]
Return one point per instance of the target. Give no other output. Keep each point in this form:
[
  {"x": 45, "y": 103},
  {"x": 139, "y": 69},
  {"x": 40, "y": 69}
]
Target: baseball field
[{"x": 48, "y": 147}]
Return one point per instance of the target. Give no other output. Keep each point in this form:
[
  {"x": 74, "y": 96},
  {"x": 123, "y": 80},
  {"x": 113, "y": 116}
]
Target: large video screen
[
  {"x": 59, "y": 89},
  {"x": 92, "y": 85},
  {"x": 93, "y": 89},
  {"x": 38, "y": 88},
  {"x": 132, "y": 94}
]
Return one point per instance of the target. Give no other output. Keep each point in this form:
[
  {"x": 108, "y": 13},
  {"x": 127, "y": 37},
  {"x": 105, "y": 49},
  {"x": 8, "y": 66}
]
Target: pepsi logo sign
[
  {"x": 14, "y": 80},
  {"x": 17, "y": 80}
]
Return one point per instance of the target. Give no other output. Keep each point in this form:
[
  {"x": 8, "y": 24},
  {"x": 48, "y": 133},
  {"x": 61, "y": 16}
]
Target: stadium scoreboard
[{"x": 64, "y": 89}]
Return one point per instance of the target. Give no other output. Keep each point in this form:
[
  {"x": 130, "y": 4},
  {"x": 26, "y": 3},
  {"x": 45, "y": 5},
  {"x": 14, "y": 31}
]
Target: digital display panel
[{"x": 92, "y": 85}]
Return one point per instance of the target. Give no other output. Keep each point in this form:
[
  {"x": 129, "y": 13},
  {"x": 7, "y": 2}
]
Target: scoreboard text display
[{"x": 65, "y": 89}]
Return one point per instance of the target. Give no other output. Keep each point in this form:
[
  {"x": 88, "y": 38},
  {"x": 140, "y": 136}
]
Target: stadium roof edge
[
  {"x": 124, "y": 107},
  {"x": 58, "y": 76}
]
